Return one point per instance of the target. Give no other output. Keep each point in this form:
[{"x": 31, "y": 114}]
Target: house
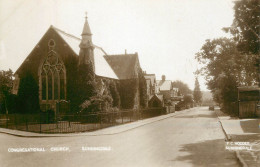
[
  {"x": 164, "y": 87},
  {"x": 249, "y": 101},
  {"x": 51, "y": 64},
  {"x": 150, "y": 84},
  {"x": 127, "y": 69}
]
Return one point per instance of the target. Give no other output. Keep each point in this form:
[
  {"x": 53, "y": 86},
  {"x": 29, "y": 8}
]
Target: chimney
[{"x": 163, "y": 77}]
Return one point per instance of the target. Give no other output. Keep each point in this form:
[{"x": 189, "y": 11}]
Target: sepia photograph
[{"x": 130, "y": 83}]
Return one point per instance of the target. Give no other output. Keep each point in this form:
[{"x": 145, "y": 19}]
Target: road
[{"x": 192, "y": 138}]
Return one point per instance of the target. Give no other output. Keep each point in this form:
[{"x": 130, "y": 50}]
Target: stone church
[{"x": 50, "y": 59}]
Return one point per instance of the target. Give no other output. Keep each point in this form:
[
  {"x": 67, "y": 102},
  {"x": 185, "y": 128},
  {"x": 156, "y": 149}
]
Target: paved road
[{"x": 193, "y": 138}]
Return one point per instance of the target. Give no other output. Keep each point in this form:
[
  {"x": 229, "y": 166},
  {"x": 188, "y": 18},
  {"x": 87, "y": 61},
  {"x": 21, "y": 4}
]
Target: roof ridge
[{"x": 70, "y": 35}]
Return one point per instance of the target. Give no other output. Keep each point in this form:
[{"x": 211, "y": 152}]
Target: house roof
[
  {"x": 164, "y": 85},
  {"x": 160, "y": 97},
  {"x": 124, "y": 65},
  {"x": 102, "y": 68}
]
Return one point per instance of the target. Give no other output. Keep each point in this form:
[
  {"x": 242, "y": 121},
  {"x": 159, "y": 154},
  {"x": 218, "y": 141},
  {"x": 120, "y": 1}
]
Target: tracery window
[{"x": 52, "y": 77}]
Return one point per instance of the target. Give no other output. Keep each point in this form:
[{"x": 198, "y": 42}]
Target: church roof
[
  {"x": 102, "y": 68},
  {"x": 71, "y": 40},
  {"x": 125, "y": 66}
]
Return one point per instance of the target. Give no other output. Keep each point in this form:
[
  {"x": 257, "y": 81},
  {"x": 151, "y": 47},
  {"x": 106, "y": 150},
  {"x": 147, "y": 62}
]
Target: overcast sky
[{"x": 165, "y": 33}]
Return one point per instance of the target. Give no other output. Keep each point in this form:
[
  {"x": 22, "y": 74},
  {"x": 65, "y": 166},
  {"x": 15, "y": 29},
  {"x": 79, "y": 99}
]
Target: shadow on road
[
  {"x": 208, "y": 153},
  {"x": 250, "y": 126}
]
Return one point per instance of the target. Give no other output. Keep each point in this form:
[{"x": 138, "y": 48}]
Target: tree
[
  {"x": 225, "y": 69},
  {"x": 183, "y": 87},
  {"x": 114, "y": 93},
  {"x": 6, "y": 83},
  {"x": 197, "y": 93},
  {"x": 246, "y": 29},
  {"x": 86, "y": 84},
  {"x": 188, "y": 99},
  {"x": 71, "y": 64},
  {"x": 246, "y": 26},
  {"x": 28, "y": 94},
  {"x": 142, "y": 90}
]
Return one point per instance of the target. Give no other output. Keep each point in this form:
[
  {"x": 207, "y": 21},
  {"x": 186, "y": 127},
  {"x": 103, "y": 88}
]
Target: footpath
[
  {"x": 106, "y": 131},
  {"x": 243, "y": 136}
]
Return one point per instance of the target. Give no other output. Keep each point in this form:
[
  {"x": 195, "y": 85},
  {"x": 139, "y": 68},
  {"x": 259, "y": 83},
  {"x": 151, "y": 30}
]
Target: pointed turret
[
  {"x": 86, "y": 54},
  {"x": 86, "y": 34}
]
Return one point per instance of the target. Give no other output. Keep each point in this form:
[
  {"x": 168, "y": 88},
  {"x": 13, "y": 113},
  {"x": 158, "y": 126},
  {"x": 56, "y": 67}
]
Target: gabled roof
[
  {"x": 164, "y": 85},
  {"x": 102, "y": 68},
  {"x": 159, "y": 97},
  {"x": 71, "y": 40},
  {"x": 124, "y": 65}
]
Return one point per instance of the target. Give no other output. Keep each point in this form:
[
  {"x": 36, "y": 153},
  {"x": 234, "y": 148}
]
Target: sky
[{"x": 166, "y": 34}]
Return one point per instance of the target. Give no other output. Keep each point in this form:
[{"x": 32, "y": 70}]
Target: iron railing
[{"x": 71, "y": 123}]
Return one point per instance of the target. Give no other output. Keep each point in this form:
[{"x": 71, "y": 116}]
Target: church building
[{"x": 50, "y": 64}]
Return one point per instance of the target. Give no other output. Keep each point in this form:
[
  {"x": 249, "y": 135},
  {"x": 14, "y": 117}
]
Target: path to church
[{"x": 193, "y": 138}]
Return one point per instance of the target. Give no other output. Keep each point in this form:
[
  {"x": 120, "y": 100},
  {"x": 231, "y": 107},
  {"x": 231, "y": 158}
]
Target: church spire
[
  {"x": 86, "y": 40},
  {"x": 86, "y": 54}
]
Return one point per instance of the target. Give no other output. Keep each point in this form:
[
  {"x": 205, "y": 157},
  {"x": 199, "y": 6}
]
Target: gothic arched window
[
  {"x": 43, "y": 79},
  {"x": 52, "y": 78}
]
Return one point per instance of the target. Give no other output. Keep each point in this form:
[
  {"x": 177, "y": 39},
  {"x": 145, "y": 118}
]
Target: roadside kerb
[
  {"x": 111, "y": 130},
  {"x": 228, "y": 138}
]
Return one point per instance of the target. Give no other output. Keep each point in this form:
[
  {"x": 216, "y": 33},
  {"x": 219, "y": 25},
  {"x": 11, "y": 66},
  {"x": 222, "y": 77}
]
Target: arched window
[
  {"x": 43, "y": 77},
  {"x": 62, "y": 87},
  {"x": 56, "y": 85},
  {"x": 53, "y": 78}
]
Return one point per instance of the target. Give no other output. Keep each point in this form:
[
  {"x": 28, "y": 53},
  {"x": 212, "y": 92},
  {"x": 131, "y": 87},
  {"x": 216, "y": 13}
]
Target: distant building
[
  {"x": 156, "y": 101},
  {"x": 151, "y": 84},
  {"x": 164, "y": 87}
]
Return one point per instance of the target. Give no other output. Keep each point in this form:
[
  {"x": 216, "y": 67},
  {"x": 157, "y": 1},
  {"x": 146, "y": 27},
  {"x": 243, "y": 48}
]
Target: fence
[
  {"x": 47, "y": 123},
  {"x": 248, "y": 109}
]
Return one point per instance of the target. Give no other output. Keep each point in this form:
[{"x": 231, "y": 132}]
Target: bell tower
[{"x": 86, "y": 54}]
